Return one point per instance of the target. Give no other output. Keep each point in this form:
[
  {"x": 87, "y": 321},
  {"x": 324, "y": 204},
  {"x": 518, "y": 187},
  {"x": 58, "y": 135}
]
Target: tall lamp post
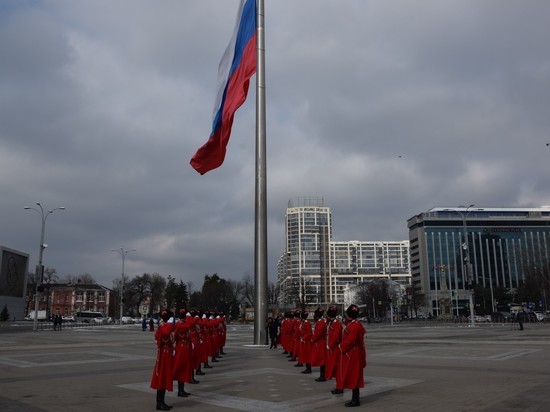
[
  {"x": 40, "y": 269},
  {"x": 122, "y": 254},
  {"x": 390, "y": 288},
  {"x": 466, "y": 256}
]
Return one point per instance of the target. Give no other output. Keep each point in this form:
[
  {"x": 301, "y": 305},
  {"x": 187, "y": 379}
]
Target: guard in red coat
[
  {"x": 196, "y": 345},
  {"x": 183, "y": 368},
  {"x": 289, "y": 330},
  {"x": 304, "y": 354},
  {"x": 333, "y": 356},
  {"x": 162, "y": 379},
  {"x": 296, "y": 337},
  {"x": 319, "y": 343},
  {"x": 354, "y": 355}
]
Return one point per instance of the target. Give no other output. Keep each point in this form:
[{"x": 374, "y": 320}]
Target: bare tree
[
  {"x": 273, "y": 293},
  {"x": 137, "y": 291},
  {"x": 363, "y": 297},
  {"x": 84, "y": 279},
  {"x": 157, "y": 289},
  {"x": 248, "y": 290}
]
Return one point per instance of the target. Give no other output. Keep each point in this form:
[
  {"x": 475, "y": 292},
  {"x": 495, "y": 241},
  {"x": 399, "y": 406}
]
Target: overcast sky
[{"x": 384, "y": 108}]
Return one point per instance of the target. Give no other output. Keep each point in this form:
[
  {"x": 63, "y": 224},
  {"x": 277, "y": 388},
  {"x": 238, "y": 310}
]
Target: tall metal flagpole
[{"x": 260, "y": 235}]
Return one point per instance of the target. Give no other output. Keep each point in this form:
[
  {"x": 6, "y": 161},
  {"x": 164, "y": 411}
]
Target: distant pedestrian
[
  {"x": 273, "y": 328},
  {"x": 519, "y": 318},
  {"x": 54, "y": 318},
  {"x": 354, "y": 355},
  {"x": 143, "y": 324},
  {"x": 59, "y": 321},
  {"x": 151, "y": 325}
]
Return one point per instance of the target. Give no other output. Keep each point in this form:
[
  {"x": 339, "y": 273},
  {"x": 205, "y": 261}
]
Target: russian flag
[{"x": 237, "y": 66}]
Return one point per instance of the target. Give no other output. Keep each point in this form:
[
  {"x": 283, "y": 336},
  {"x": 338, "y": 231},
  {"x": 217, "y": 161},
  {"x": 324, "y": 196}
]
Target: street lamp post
[
  {"x": 466, "y": 257},
  {"x": 40, "y": 269},
  {"x": 122, "y": 254}
]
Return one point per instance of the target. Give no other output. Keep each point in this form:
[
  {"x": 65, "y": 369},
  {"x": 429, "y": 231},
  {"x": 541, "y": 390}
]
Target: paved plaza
[{"x": 411, "y": 367}]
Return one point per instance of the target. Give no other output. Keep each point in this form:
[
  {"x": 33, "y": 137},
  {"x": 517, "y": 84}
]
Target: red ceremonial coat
[
  {"x": 183, "y": 368},
  {"x": 163, "y": 373},
  {"x": 354, "y": 356},
  {"x": 318, "y": 343},
  {"x": 286, "y": 331},
  {"x": 334, "y": 336},
  {"x": 296, "y": 338},
  {"x": 304, "y": 355},
  {"x": 196, "y": 346},
  {"x": 204, "y": 341}
]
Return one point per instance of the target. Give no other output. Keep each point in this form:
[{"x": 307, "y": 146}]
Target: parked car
[
  {"x": 99, "y": 321},
  {"x": 68, "y": 318},
  {"x": 540, "y": 316},
  {"x": 127, "y": 320},
  {"x": 501, "y": 316},
  {"x": 527, "y": 316}
]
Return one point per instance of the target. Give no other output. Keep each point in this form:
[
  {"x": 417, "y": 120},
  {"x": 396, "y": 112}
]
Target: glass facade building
[{"x": 454, "y": 249}]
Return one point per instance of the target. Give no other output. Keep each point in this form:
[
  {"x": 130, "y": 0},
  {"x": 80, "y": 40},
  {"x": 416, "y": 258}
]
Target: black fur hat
[
  {"x": 332, "y": 312},
  {"x": 166, "y": 314},
  {"x": 353, "y": 311}
]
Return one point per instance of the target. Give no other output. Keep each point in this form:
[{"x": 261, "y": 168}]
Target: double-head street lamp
[
  {"x": 40, "y": 268},
  {"x": 466, "y": 256},
  {"x": 122, "y": 254}
]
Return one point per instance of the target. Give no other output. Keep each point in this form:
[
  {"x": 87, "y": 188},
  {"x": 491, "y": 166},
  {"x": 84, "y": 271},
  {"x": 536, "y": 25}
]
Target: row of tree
[{"x": 216, "y": 294}]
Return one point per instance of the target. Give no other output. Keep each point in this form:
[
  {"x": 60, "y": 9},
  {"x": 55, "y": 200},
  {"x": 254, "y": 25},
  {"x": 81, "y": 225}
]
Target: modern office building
[
  {"x": 14, "y": 267},
  {"x": 455, "y": 248},
  {"x": 316, "y": 269}
]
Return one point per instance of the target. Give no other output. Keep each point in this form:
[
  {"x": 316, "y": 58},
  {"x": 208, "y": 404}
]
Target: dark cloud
[{"x": 102, "y": 104}]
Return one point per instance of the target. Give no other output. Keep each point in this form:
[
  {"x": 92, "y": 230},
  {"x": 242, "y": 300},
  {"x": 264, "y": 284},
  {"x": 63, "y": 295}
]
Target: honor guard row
[
  {"x": 184, "y": 344},
  {"x": 337, "y": 348}
]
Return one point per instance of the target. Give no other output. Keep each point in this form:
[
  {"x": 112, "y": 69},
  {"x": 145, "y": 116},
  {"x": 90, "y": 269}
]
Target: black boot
[
  {"x": 181, "y": 390},
  {"x": 161, "y": 406},
  {"x": 354, "y": 398},
  {"x": 337, "y": 391},
  {"x": 222, "y": 352},
  {"x": 308, "y": 368},
  {"x": 207, "y": 366},
  {"x": 321, "y": 377}
]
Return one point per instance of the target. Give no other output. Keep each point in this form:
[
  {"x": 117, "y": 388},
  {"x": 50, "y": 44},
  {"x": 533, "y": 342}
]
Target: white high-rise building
[{"x": 315, "y": 269}]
